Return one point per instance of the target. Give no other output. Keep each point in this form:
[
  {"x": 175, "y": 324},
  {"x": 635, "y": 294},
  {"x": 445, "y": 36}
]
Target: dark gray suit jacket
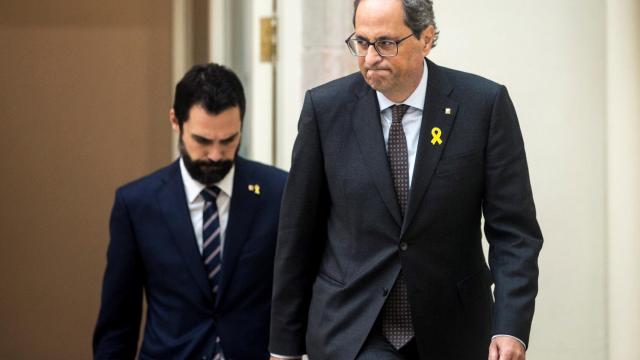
[{"x": 342, "y": 240}]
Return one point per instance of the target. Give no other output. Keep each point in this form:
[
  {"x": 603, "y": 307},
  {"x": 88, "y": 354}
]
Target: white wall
[
  {"x": 289, "y": 64},
  {"x": 311, "y": 51},
  {"x": 181, "y": 49},
  {"x": 623, "y": 154},
  {"x": 235, "y": 43}
]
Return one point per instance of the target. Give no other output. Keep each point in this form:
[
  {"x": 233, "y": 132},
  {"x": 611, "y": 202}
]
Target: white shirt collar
[
  {"x": 415, "y": 100},
  {"x": 193, "y": 188}
]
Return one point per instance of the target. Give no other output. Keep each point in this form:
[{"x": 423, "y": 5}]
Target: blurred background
[{"x": 86, "y": 86}]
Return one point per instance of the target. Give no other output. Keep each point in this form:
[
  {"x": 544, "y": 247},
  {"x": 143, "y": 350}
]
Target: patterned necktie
[
  {"x": 399, "y": 156},
  {"x": 211, "y": 245},
  {"x": 396, "y": 312}
]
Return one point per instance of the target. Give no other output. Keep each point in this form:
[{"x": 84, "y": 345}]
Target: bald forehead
[
  {"x": 389, "y": 10},
  {"x": 377, "y": 19}
]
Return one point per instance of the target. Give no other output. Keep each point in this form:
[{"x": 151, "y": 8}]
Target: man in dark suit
[
  {"x": 198, "y": 237},
  {"x": 379, "y": 250}
]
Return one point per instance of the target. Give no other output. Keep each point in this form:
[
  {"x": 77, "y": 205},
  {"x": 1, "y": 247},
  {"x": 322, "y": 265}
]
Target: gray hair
[{"x": 418, "y": 15}]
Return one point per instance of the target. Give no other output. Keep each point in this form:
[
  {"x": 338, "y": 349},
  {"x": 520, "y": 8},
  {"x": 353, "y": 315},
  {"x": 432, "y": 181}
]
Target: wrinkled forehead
[{"x": 378, "y": 19}]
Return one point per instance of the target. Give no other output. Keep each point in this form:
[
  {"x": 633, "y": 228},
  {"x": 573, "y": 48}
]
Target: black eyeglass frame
[{"x": 355, "y": 53}]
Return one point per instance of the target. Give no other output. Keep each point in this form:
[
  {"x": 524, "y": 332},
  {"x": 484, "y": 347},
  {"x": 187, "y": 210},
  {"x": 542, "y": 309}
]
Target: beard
[{"x": 206, "y": 172}]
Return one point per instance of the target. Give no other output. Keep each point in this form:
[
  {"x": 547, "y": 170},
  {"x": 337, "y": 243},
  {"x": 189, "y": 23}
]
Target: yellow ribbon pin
[
  {"x": 436, "y": 133},
  {"x": 255, "y": 188}
]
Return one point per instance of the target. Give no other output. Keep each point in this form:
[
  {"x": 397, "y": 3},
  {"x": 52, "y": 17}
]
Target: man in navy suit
[{"x": 197, "y": 237}]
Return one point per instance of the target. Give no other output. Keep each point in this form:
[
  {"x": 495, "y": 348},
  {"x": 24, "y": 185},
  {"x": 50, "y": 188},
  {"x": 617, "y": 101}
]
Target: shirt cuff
[
  {"x": 513, "y": 337},
  {"x": 286, "y": 356}
]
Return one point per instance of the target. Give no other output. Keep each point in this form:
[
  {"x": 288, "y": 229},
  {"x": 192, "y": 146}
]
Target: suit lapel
[
  {"x": 435, "y": 116},
  {"x": 173, "y": 204},
  {"x": 368, "y": 129},
  {"x": 241, "y": 213}
]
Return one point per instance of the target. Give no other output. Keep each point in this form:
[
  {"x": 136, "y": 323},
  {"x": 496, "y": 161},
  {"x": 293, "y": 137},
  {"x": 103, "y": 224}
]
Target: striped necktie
[{"x": 211, "y": 245}]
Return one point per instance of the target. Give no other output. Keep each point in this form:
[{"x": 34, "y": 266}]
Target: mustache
[{"x": 210, "y": 163}]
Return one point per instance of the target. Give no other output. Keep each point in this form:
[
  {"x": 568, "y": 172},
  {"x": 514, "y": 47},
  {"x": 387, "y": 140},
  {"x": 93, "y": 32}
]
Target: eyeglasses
[{"x": 386, "y": 48}]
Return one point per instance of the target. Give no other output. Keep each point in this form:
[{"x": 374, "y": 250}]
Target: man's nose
[
  {"x": 215, "y": 153},
  {"x": 372, "y": 57}
]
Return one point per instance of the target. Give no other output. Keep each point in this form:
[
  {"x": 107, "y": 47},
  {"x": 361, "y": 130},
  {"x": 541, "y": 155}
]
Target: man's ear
[
  {"x": 427, "y": 37},
  {"x": 175, "y": 126}
]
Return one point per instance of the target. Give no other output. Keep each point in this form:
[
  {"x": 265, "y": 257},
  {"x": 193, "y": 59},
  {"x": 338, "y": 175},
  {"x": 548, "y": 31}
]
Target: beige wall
[{"x": 85, "y": 87}]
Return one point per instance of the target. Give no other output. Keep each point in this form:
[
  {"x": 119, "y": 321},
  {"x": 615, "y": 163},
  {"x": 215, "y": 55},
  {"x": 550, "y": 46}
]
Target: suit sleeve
[
  {"x": 118, "y": 326},
  {"x": 511, "y": 227},
  {"x": 300, "y": 238}
]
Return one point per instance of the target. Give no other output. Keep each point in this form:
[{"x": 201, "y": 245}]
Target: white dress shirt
[
  {"x": 195, "y": 201},
  {"x": 412, "y": 119}
]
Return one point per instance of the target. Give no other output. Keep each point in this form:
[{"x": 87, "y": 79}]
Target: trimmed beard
[{"x": 206, "y": 172}]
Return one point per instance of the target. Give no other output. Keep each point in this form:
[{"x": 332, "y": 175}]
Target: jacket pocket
[
  {"x": 475, "y": 287},
  {"x": 460, "y": 162}
]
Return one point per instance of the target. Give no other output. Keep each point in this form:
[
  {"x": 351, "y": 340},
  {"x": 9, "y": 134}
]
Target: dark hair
[
  {"x": 212, "y": 86},
  {"x": 418, "y": 15}
]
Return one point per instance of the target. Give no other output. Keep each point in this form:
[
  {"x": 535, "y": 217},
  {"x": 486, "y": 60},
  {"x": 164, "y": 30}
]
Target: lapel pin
[
  {"x": 436, "y": 133},
  {"x": 255, "y": 188},
  {"x": 447, "y": 111}
]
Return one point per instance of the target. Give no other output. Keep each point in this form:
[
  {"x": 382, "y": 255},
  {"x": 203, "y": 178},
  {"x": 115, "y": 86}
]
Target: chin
[
  {"x": 375, "y": 84},
  {"x": 375, "y": 81}
]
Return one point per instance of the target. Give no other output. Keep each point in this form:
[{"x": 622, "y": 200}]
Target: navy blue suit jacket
[{"x": 153, "y": 249}]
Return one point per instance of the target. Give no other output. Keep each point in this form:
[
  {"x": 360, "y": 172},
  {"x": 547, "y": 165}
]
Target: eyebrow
[
  {"x": 230, "y": 138},
  {"x": 383, "y": 37},
  {"x": 205, "y": 140},
  {"x": 201, "y": 139}
]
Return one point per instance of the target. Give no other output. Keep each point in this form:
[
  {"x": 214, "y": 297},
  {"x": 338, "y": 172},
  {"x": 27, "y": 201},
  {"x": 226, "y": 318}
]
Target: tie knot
[
  {"x": 210, "y": 194},
  {"x": 397, "y": 112}
]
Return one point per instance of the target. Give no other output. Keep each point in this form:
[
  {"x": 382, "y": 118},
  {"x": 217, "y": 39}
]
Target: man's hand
[{"x": 506, "y": 348}]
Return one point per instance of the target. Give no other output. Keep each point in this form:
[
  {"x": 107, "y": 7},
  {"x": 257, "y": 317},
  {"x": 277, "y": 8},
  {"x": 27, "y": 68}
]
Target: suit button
[
  {"x": 403, "y": 246},
  {"x": 204, "y": 358},
  {"x": 385, "y": 292}
]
